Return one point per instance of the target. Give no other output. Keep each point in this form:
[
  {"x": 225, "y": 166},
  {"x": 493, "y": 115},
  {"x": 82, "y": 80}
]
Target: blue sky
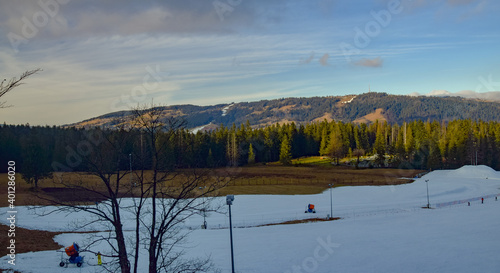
[{"x": 104, "y": 56}]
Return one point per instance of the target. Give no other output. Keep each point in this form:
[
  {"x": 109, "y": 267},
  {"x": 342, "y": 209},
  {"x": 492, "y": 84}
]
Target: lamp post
[
  {"x": 331, "y": 201},
  {"x": 130, "y": 165},
  {"x": 229, "y": 202},
  {"x": 427, "y": 184},
  {"x": 204, "y": 209}
]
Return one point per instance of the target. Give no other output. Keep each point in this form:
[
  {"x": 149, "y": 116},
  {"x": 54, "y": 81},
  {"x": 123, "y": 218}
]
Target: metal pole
[
  {"x": 130, "y": 164},
  {"x": 231, "y": 236},
  {"x": 427, "y": 184},
  {"x": 331, "y": 201},
  {"x": 204, "y": 218},
  {"x": 204, "y": 209}
]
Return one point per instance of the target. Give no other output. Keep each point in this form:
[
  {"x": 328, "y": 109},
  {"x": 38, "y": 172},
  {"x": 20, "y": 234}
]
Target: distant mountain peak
[{"x": 364, "y": 108}]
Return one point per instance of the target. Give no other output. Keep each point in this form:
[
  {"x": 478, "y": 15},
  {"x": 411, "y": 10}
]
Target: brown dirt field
[
  {"x": 326, "y": 116},
  {"x": 277, "y": 179},
  {"x": 28, "y": 240},
  {"x": 69, "y": 195},
  {"x": 311, "y": 220},
  {"x": 378, "y": 114},
  {"x": 263, "y": 179}
]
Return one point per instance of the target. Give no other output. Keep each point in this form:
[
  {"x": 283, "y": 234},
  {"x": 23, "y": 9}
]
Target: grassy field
[
  {"x": 302, "y": 178},
  {"x": 306, "y": 179}
]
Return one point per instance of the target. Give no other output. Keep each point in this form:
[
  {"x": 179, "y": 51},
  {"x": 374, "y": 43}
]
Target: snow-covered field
[{"x": 383, "y": 229}]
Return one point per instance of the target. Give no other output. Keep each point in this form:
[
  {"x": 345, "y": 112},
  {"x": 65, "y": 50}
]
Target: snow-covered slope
[
  {"x": 480, "y": 171},
  {"x": 384, "y": 229}
]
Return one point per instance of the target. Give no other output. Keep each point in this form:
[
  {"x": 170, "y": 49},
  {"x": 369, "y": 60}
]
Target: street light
[
  {"x": 130, "y": 165},
  {"x": 427, "y": 184},
  {"x": 331, "y": 201},
  {"x": 229, "y": 202},
  {"x": 204, "y": 209}
]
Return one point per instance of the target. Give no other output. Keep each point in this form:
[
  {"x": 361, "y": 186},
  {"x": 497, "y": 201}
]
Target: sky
[{"x": 104, "y": 56}]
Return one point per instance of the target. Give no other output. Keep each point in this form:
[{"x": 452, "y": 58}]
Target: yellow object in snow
[{"x": 99, "y": 261}]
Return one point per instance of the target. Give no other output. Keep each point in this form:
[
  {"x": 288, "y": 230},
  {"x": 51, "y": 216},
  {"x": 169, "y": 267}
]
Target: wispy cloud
[
  {"x": 454, "y": 8},
  {"x": 375, "y": 62},
  {"x": 114, "y": 17},
  {"x": 324, "y": 59},
  {"x": 308, "y": 60},
  {"x": 460, "y": 2},
  {"x": 477, "y": 10},
  {"x": 94, "y": 52},
  {"x": 93, "y": 74}
]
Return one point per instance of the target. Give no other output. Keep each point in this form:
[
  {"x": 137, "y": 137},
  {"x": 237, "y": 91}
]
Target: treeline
[
  {"x": 418, "y": 144},
  {"x": 399, "y": 109}
]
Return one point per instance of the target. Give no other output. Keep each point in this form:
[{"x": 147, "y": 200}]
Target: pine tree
[
  {"x": 36, "y": 160},
  {"x": 357, "y": 138},
  {"x": 251, "y": 155},
  {"x": 400, "y": 147},
  {"x": 410, "y": 141},
  {"x": 232, "y": 152},
  {"x": 434, "y": 158},
  {"x": 335, "y": 146},
  {"x": 210, "y": 159},
  {"x": 379, "y": 147},
  {"x": 365, "y": 143},
  {"x": 286, "y": 151},
  {"x": 323, "y": 147}
]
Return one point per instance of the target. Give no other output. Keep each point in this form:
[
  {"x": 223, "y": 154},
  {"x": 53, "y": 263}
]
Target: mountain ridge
[{"x": 363, "y": 108}]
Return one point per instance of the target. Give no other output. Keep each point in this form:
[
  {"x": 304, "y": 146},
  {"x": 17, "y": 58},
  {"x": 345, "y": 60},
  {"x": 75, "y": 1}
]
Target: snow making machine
[
  {"x": 73, "y": 253},
  {"x": 310, "y": 209}
]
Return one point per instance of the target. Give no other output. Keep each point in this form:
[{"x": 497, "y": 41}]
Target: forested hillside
[
  {"x": 417, "y": 144},
  {"x": 393, "y": 108}
]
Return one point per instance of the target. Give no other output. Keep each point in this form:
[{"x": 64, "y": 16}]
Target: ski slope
[{"x": 383, "y": 229}]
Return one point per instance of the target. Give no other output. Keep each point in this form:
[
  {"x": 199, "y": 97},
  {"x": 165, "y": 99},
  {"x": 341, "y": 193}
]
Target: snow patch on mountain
[{"x": 225, "y": 109}]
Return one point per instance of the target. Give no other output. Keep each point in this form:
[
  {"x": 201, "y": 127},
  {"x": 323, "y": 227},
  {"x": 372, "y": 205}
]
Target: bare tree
[
  {"x": 154, "y": 195},
  {"x": 103, "y": 159},
  {"x": 173, "y": 195},
  {"x": 7, "y": 86},
  {"x": 358, "y": 153}
]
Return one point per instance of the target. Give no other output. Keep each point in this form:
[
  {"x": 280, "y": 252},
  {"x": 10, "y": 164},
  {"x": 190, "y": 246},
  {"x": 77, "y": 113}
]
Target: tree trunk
[
  {"x": 122, "y": 251},
  {"x": 120, "y": 238},
  {"x": 152, "y": 256}
]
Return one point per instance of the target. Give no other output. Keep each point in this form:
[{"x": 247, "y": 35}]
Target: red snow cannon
[
  {"x": 72, "y": 250},
  {"x": 310, "y": 209},
  {"x": 74, "y": 256}
]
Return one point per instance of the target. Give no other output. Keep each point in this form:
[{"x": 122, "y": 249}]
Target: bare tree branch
[{"x": 7, "y": 86}]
